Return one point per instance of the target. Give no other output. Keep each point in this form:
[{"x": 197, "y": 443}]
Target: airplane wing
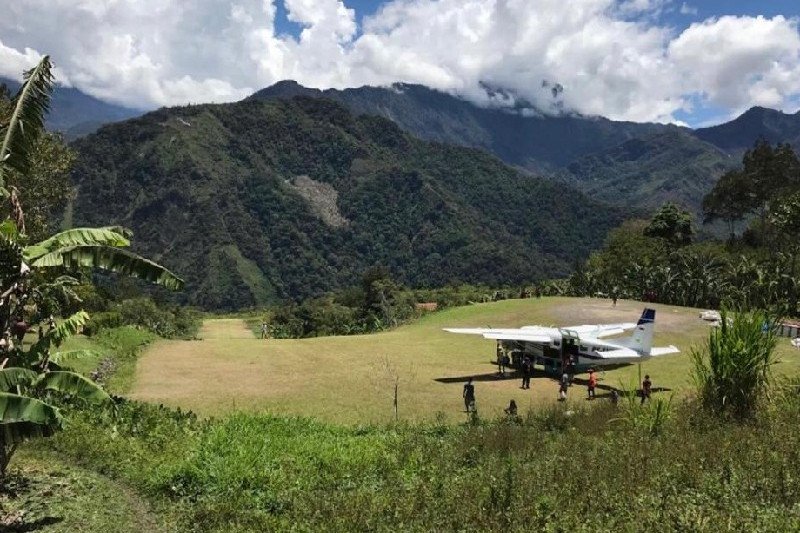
[
  {"x": 598, "y": 331},
  {"x": 528, "y": 334},
  {"x": 469, "y": 331},
  {"x": 627, "y": 353},
  {"x": 526, "y": 337}
]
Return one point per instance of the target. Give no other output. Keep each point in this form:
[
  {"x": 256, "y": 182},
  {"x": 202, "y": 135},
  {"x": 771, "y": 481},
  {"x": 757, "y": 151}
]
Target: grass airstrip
[{"x": 351, "y": 379}]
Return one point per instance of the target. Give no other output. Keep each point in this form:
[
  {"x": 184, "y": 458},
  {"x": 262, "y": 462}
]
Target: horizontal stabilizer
[
  {"x": 610, "y": 332},
  {"x": 600, "y": 330},
  {"x": 664, "y": 350}
]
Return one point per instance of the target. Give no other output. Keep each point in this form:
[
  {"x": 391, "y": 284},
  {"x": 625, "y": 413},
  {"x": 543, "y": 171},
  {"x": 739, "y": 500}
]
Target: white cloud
[
  {"x": 744, "y": 61},
  {"x": 611, "y": 56},
  {"x": 686, "y": 9}
]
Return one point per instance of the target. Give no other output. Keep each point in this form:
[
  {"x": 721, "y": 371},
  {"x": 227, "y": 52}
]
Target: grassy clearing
[{"x": 349, "y": 379}]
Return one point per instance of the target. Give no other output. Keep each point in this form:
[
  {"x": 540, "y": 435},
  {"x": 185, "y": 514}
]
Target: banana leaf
[
  {"x": 11, "y": 377},
  {"x": 106, "y": 236},
  {"x": 111, "y": 259},
  {"x": 23, "y": 418},
  {"x": 66, "y": 329},
  {"x": 73, "y": 384},
  {"x": 59, "y": 358}
]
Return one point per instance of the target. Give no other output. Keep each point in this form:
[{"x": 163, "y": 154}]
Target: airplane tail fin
[{"x": 642, "y": 338}]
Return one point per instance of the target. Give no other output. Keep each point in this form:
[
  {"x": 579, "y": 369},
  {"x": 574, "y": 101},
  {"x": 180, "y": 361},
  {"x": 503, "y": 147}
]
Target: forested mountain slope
[
  {"x": 646, "y": 172},
  {"x": 263, "y": 200},
  {"x": 629, "y": 164},
  {"x": 534, "y": 142}
]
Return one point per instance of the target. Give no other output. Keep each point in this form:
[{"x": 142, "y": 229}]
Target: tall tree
[
  {"x": 672, "y": 224},
  {"x": 731, "y": 199}
]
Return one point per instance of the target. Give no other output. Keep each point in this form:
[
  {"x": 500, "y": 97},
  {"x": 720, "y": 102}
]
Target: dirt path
[
  {"x": 225, "y": 328},
  {"x": 57, "y": 497}
]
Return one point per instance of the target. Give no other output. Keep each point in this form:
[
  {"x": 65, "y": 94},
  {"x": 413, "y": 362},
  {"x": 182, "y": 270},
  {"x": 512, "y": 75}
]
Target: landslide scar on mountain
[{"x": 321, "y": 198}]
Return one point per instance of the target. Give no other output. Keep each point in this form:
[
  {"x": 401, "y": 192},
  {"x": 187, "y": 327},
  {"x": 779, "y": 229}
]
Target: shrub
[{"x": 733, "y": 370}]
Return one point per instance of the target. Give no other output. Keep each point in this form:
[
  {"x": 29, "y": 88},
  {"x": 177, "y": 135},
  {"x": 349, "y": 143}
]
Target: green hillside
[
  {"x": 646, "y": 172},
  {"x": 257, "y": 201}
]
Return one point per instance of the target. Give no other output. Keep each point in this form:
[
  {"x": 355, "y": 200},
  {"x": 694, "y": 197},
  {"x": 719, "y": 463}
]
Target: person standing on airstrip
[
  {"x": 592, "y": 385},
  {"x": 647, "y": 387},
  {"x": 527, "y": 368},
  {"x": 264, "y": 330},
  {"x": 469, "y": 395},
  {"x": 563, "y": 386}
]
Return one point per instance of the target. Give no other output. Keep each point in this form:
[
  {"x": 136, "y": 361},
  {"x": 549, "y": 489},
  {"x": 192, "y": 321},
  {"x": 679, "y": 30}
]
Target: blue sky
[{"x": 694, "y": 62}]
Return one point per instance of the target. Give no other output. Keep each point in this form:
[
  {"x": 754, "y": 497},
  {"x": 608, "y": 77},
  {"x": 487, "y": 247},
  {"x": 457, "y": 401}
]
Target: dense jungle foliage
[
  {"x": 260, "y": 201},
  {"x": 647, "y": 171},
  {"x": 658, "y": 260}
]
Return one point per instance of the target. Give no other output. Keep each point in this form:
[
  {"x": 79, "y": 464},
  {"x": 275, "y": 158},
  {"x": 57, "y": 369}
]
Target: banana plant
[
  {"x": 35, "y": 276},
  {"x": 24, "y": 415}
]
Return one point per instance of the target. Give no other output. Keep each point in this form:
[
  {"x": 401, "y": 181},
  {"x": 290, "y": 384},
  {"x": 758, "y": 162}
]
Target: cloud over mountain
[{"x": 612, "y": 57}]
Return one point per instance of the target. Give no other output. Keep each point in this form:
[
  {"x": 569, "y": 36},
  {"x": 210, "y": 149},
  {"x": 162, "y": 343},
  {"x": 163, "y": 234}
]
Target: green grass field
[{"x": 350, "y": 379}]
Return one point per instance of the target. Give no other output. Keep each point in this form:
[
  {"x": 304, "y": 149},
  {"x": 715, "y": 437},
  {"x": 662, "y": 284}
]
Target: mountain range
[
  {"x": 258, "y": 201},
  {"x": 294, "y": 191},
  {"x": 75, "y": 113},
  {"x": 634, "y": 164}
]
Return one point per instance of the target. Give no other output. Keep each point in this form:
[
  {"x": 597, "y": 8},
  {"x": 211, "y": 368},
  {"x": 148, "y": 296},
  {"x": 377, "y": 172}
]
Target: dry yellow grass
[{"x": 350, "y": 379}]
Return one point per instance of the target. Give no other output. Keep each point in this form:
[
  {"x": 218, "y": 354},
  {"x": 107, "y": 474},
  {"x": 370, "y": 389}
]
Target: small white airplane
[{"x": 553, "y": 346}]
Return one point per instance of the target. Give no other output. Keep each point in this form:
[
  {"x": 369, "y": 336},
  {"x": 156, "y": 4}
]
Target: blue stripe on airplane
[{"x": 648, "y": 316}]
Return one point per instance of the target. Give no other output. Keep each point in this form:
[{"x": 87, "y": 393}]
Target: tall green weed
[{"x": 734, "y": 369}]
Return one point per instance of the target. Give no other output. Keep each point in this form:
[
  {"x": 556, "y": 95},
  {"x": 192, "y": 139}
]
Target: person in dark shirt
[
  {"x": 469, "y": 395},
  {"x": 527, "y": 368},
  {"x": 647, "y": 387}
]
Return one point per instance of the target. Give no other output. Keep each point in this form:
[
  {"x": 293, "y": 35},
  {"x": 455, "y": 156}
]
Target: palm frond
[
  {"x": 113, "y": 260},
  {"x": 13, "y": 376},
  {"x": 31, "y": 104},
  {"x": 106, "y": 236},
  {"x": 23, "y": 418},
  {"x": 73, "y": 384}
]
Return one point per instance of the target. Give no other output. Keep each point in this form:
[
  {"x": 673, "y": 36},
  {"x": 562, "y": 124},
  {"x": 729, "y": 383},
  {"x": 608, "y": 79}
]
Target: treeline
[
  {"x": 661, "y": 260},
  {"x": 116, "y": 302},
  {"x": 377, "y": 303}
]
